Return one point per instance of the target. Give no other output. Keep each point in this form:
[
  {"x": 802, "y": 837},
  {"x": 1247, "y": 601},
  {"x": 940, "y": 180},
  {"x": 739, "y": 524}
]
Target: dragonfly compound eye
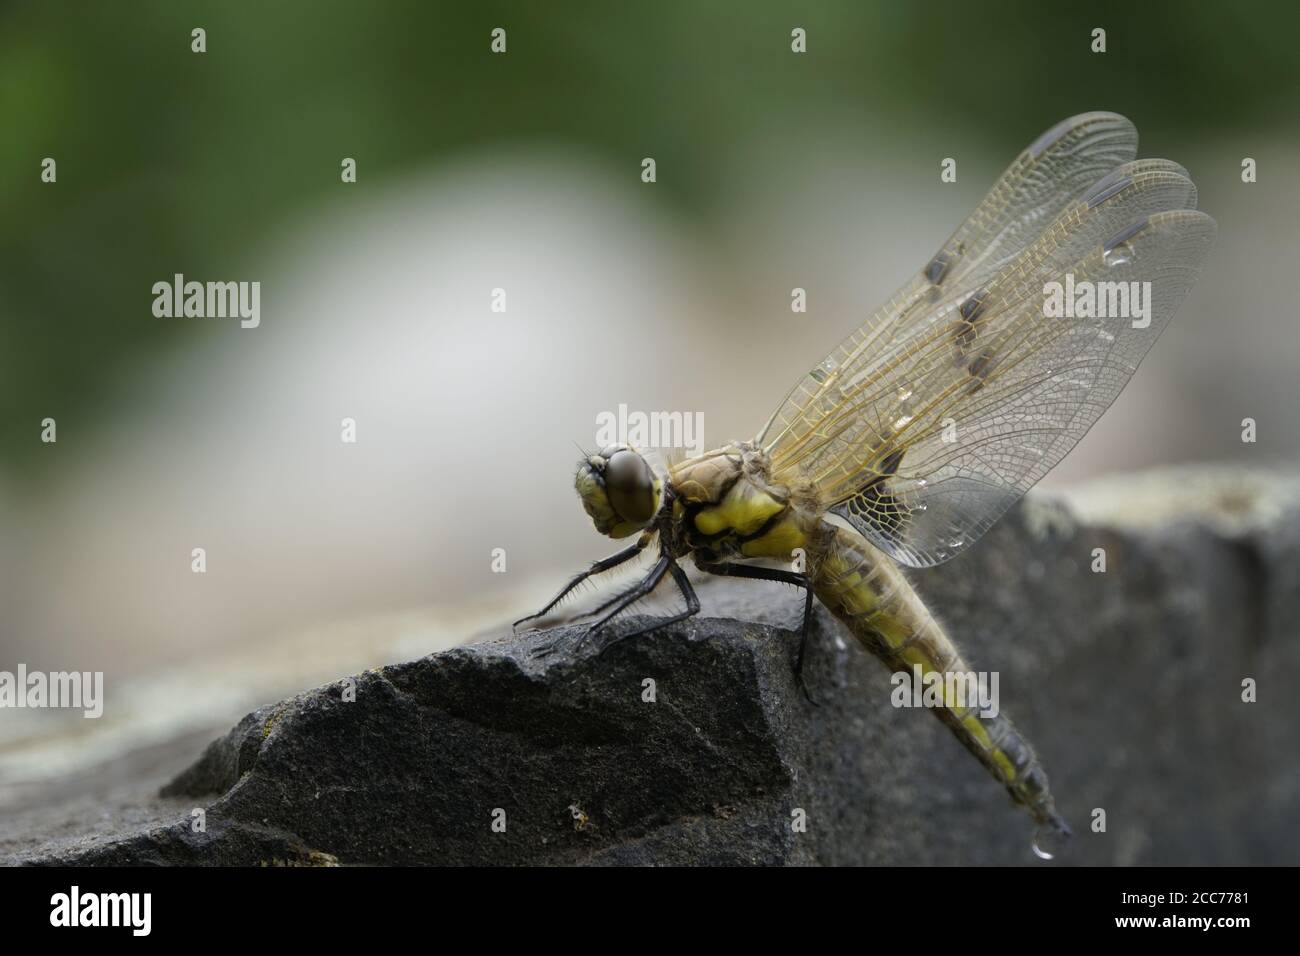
[
  {"x": 629, "y": 483},
  {"x": 618, "y": 490}
]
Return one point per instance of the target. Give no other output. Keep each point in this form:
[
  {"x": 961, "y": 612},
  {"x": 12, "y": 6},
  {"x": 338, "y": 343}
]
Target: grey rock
[{"x": 1129, "y": 682}]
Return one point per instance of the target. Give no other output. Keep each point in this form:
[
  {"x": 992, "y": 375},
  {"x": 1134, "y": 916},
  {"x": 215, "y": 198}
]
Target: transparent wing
[
  {"x": 1055, "y": 169},
  {"x": 1058, "y": 166},
  {"x": 924, "y": 449}
]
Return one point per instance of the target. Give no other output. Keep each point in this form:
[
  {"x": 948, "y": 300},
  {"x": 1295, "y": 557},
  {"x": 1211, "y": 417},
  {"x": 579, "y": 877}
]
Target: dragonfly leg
[
  {"x": 756, "y": 573},
  {"x": 631, "y": 596},
  {"x": 613, "y": 561},
  {"x": 613, "y": 607},
  {"x": 692, "y": 608},
  {"x": 599, "y": 608}
]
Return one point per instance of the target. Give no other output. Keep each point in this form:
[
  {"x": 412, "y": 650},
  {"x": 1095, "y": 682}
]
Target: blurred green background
[
  {"x": 521, "y": 171},
  {"x": 170, "y": 161}
]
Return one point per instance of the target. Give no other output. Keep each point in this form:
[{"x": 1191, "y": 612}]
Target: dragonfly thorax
[{"x": 725, "y": 503}]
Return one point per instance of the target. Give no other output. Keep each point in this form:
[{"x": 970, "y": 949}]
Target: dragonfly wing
[
  {"x": 926, "y": 445},
  {"x": 1053, "y": 170},
  {"x": 1058, "y": 166},
  {"x": 1033, "y": 388}
]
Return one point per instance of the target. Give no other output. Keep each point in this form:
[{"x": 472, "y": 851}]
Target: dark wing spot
[
  {"x": 963, "y": 333},
  {"x": 973, "y": 308},
  {"x": 964, "y": 329},
  {"x": 877, "y": 507},
  {"x": 979, "y": 368},
  {"x": 938, "y": 267},
  {"x": 1108, "y": 186},
  {"x": 1124, "y": 235},
  {"x": 889, "y": 464}
]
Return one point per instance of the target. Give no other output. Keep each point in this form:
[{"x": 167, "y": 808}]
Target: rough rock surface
[{"x": 1129, "y": 682}]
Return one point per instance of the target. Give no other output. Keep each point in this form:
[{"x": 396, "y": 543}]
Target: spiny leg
[
  {"x": 756, "y": 573},
  {"x": 631, "y": 595},
  {"x": 605, "y": 605},
  {"x": 599, "y": 567},
  {"x": 616, "y": 606},
  {"x": 692, "y": 607}
]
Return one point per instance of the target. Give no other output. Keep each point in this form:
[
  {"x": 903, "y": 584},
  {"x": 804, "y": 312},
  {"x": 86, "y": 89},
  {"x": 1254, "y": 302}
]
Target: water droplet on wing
[{"x": 1121, "y": 255}]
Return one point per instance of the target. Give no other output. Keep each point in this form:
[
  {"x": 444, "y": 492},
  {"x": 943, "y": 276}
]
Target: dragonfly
[{"x": 931, "y": 420}]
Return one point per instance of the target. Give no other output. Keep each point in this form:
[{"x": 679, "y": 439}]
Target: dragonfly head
[{"x": 620, "y": 491}]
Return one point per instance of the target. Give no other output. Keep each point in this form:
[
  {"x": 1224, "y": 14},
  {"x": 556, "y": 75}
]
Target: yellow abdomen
[{"x": 868, "y": 593}]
